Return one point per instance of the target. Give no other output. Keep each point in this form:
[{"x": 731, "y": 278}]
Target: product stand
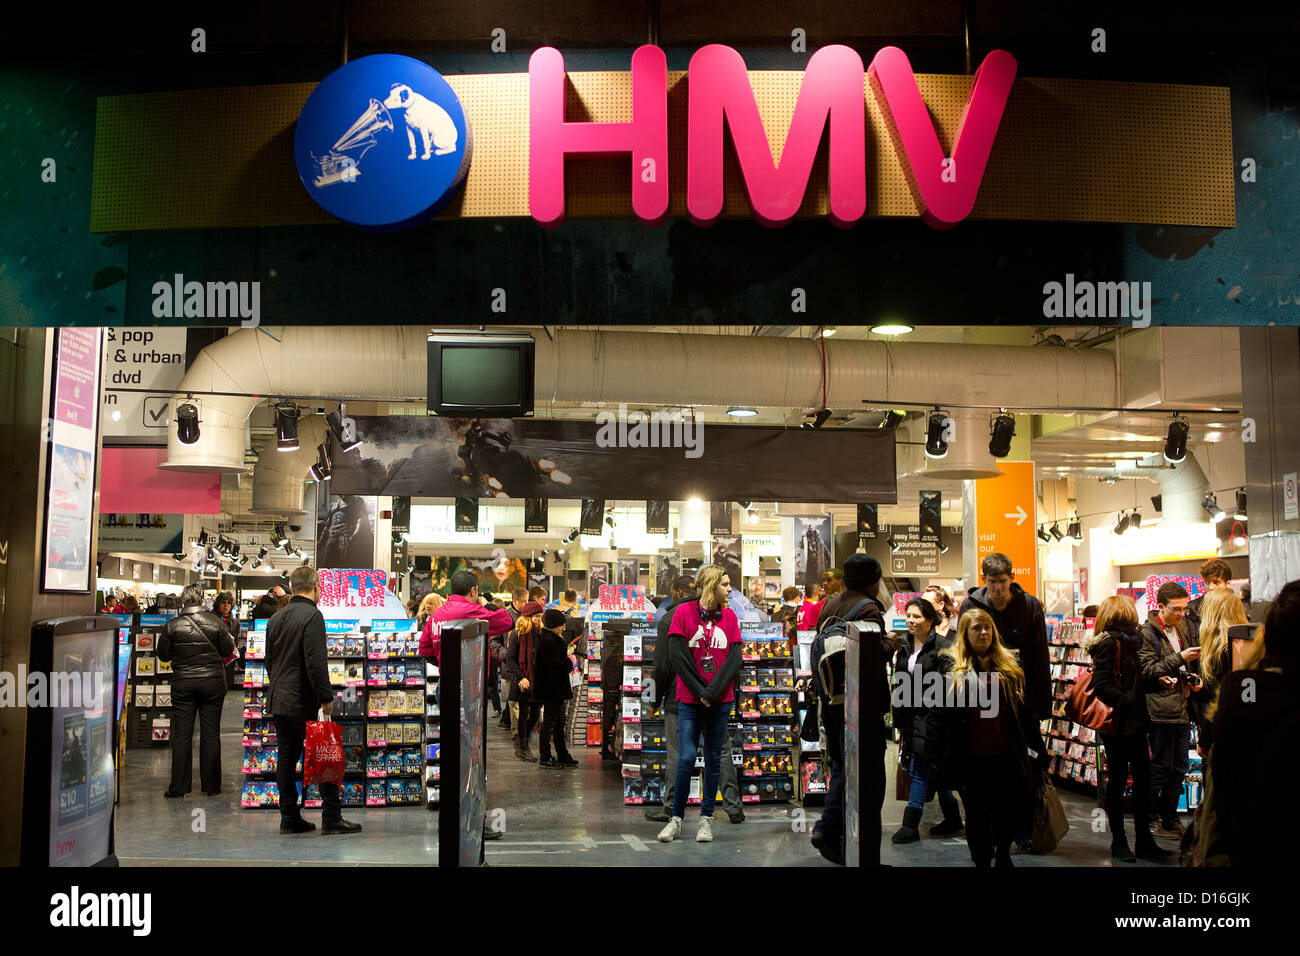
[
  {"x": 68, "y": 805},
  {"x": 864, "y": 664},
  {"x": 814, "y": 768},
  {"x": 461, "y": 822},
  {"x": 380, "y": 702},
  {"x": 1075, "y": 750},
  {"x": 149, "y": 694}
]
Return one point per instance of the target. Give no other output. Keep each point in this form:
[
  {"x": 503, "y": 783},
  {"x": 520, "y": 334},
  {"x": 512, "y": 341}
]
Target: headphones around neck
[{"x": 707, "y": 615}]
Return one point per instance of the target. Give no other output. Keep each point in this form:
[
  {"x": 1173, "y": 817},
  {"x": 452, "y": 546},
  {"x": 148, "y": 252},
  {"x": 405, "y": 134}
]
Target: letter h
[{"x": 551, "y": 139}]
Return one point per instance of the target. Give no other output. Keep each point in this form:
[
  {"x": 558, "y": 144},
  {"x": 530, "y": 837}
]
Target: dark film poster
[
  {"x": 719, "y": 517},
  {"x": 811, "y": 548},
  {"x": 726, "y": 554},
  {"x": 345, "y": 531},
  {"x": 593, "y": 516},
  {"x": 627, "y": 570},
  {"x": 597, "y": 577},
  {"x": 466, "y": 514},
  {"x": 931, "y": 517},
  {"x": 536, "y": 515},
  {"x": 667, "y": 568},
  {"x": 519, "y": 458},
  {"x": 656, "y": 517},
  {"x": 868, "y": 520}
]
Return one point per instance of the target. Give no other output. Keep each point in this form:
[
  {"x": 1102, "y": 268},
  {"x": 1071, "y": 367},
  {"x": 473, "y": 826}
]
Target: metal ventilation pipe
[
  {"x": 278, "y": 476},
  {"x": 1182, "y": 486}
]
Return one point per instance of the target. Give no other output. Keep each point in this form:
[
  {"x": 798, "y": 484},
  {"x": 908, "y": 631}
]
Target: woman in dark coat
[
  {"x": 551, "y": 689},
  {"x": 1121, "y": 690},
  {"x": 517, "y": 668},
  {"x": 980, "y": 740},
  {"x": 918, "y": 656}
]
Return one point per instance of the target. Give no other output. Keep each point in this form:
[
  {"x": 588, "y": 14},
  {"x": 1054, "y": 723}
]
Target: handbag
[
  {"x": 1050, "y": 825},
  {"x": 902, "y": 782},
  {"x": 1084, "y": 707},
  {"x": 323, "y": 760}
]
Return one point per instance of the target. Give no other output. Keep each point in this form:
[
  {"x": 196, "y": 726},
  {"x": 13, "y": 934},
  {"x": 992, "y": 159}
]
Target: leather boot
[
  {"x": 909, "y": 832},
  {"x": 519, "y": 748}
]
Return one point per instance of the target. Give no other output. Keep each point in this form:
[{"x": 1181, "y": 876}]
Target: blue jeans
[
  {"x": 920, "y": 771},
  {"x": 691, "y": 719},
  {"x": 1169, "y": 763}
]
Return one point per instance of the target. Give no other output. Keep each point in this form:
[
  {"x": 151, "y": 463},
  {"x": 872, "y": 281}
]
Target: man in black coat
[
  {"x": 1021, "y": 626},
  {"x": 300, "y": 685}
]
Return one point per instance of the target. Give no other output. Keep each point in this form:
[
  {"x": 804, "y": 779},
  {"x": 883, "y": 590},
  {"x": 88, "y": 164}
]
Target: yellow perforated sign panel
[{"x": 1067, "y": 151}]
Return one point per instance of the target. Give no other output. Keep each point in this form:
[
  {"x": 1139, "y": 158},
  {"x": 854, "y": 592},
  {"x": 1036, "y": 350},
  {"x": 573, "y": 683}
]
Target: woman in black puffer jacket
[
  {"x": 197, "y": 644},
  {"x": 1121, "y": 690}
]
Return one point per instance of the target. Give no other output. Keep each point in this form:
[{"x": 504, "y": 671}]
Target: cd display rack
[
  {"x": 149, "y": 693},
  {"x": 382, "y": 702}
]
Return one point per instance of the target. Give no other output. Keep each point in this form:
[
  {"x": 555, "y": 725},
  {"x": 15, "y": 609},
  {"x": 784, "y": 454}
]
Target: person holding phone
[
  {"x": 1168, "y": 654},
  {"x": 704, "y": 647}
]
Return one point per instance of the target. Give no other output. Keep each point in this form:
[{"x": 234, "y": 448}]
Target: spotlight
[
  {"x": 286, "y": 427},
  {"x": 321, "y": 468},
  {"x": 741, "y": 411},
  {"x": 257, "y": 563},
  {"x": 344, "y": 434},
  {"x": 1240, "y": 513},
  {"x": 1211, "y": 506},
  {"x": 187, "y": 423},
  {"x": 571, "y": 537},
  {"x": 1157, "y": 502},
  {"x": 1043, "y": 535},
  {"x": 1135, "y": 519},
  {"x": 1075, "y": 531},
  {"x": 1055, "y": 531},
  {"x": 1176, "y": 440},
  {"x": 753, "y": 517},
  {"x": 936, "y": 445},
  {"x": 818, "y": 419},
  {"x": 203, "y": 538},
  {"x": 278, "y": 537},
  {"x": 178, "y": 556},
  {"x": 1001, "y": 430},
  {"x": 744, "y": 504},
  {"x": 893, "y": 418},
  {"x": 261, "y": 554},
  {"x": 238, "y": 564},
  {"x": 894, "y": 546},
  {"x": 1122, "y": 524},
  {"x": 943, "y": 547},
  {"x": 545, "y": 552},
  {"x": 561, "y": 553},
  {"x": 609, "y": 520}
]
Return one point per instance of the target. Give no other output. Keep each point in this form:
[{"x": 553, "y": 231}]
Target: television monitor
[{"x": 481, "y": 375}]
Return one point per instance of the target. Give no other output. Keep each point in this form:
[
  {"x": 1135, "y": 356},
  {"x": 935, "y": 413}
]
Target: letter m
[
  {"x": 943, "y": 204},
  {"x": 67, "y": 690},
  {"x": 223, "y": 299},
  {"x": 831, "y": 94},
  {"x": 1112, "y": 300}
]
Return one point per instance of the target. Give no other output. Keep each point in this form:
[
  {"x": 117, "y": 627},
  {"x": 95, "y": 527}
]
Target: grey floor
[{"x": 575, "y": 818}]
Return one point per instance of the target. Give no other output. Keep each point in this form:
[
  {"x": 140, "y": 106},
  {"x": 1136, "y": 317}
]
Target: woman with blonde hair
[
  {"x": 430, "y": 603},
  {"x": 1117, "y": 682},
  {"x": 1220, "y": 609},
  {"x": 980, "y": 740},
  {"x": 704, "y": 647},
  {"x": 517, "y": 668}
]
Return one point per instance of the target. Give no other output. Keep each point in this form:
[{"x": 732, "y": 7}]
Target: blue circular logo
[{"x": 382, "y": 143}]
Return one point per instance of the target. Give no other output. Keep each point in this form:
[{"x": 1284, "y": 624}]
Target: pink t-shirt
[
  {"x": 715, "y": 639},
  {"x": 809, "y": 613}
]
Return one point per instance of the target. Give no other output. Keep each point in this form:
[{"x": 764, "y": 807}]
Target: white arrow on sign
[{"x": 1019, "y": 515}]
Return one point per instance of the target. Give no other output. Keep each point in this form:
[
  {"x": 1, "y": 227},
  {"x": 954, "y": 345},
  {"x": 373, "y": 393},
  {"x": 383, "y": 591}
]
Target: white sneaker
[
  {"x": 705, "y": 834},
  {"x": 671, "y": 830}
]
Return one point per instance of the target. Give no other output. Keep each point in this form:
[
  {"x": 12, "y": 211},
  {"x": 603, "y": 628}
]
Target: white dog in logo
[{"x": 435, "y": 126}]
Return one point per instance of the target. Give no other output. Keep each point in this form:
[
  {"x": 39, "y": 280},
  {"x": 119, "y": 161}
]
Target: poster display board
[{"x": 67, "y": 559}]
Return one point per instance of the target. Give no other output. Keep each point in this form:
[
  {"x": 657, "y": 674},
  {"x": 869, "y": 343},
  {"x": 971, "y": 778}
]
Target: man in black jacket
[
  {"x": 857, "y": 602},
  {"x": 196, "y": 643},
  {"x": 1021, "y": 626},
  {"x": 300, "y": 685}
]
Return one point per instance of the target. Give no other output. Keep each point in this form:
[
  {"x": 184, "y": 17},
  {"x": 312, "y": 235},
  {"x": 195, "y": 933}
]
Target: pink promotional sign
[
  {"x": 78, "y": 365},
  {"x": 720, "y": 94},
  {"x": 132, "y": 483},
  {"x": 1192, "y": 583},
  {"x": 901, "y": 599}
]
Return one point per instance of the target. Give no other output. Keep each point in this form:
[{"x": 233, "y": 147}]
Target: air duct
[
  {"x": 1182, "y": 486},
  {"x": 279, "y": 475},
  {"x": 386, "y": 363}
]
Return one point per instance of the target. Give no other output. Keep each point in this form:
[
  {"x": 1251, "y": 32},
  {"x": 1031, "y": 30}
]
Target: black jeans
[
  {"x": 996, "y": 802},
  {"x": 291, "y": 732},
  {"x": 204, "y": 697},
  {"x": 1169, "y": 762},
  {"x": 493, "y": 690},
  {"x": 832, "y": 821},
  {"x": 610, "y": 722},
  {"x": 552, "y": 729},
  {"x": 1123, "y": 753}
]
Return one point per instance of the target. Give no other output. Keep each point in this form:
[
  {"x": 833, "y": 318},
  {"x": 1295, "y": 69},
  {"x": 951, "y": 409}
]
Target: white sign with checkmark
[{"x": 151, "y": 359}]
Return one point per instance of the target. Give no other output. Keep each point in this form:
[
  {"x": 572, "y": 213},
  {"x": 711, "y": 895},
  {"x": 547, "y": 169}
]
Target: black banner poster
[
  {"x": 443, "y": 457},
  {"x": 466, "y": 514},
  {"x": 536, "y": 515},
  {"x": 868, "y": 521},
  {"x": 656, "y": 517},
  {"x": 401, "y": 515},
  {"x": 931, "y": 517},
  {"x": 719, "y": 517},
  {"x": 399, "y": 555},
  {"x": 593, "y": 516}
]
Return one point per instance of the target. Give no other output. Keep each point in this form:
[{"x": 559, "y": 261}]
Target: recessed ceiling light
[
  {"x": 891, "y": 328},
  {"x": 826, "y": 332},
  {"x": 741, "y": 412}
]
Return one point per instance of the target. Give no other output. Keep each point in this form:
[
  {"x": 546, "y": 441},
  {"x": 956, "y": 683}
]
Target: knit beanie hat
[
  {"x": 531, "y": 608},
  {"x": 553, "y": 618}
]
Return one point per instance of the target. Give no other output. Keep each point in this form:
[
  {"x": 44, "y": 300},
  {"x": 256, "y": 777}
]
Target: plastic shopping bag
[{"x": 323, "y": 753}]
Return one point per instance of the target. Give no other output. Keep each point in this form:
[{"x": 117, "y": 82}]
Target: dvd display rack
[
  {"x": 814, "y": 768},
  {"x": 381, "y": 702},
  {"x": 593, "y": 697},
  {"x": 762, "y": 727},
  {"x": 149, "y": 693}
]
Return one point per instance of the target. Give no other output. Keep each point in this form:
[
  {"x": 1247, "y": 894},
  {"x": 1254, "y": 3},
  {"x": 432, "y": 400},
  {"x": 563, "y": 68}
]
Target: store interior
[{"x": 1111, "y": 500}]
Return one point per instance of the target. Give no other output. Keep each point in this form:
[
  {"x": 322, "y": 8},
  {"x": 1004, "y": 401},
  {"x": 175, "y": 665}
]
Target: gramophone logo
[{"x": 382, "y": 143}]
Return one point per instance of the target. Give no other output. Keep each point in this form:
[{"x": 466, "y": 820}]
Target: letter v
[{"x": 942, "y": 204}]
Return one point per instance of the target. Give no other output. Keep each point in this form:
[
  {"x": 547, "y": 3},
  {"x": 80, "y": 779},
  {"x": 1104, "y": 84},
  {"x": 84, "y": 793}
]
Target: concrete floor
[{"x": 575, "y": 817}]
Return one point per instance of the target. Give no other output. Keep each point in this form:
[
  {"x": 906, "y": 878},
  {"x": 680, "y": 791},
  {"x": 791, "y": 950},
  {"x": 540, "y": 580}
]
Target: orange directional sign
[{"x": 1004, "y": 520}]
